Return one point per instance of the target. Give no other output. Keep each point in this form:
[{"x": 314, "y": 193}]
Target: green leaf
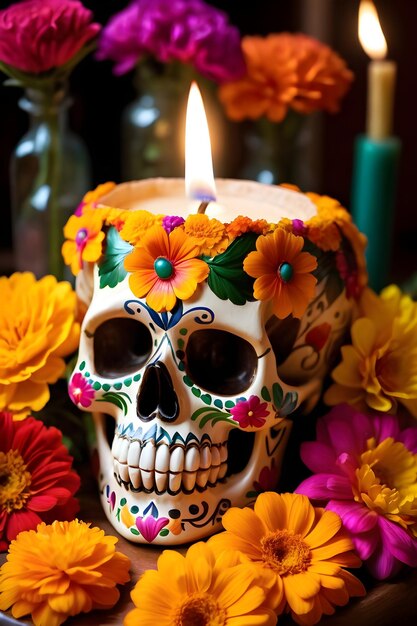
[
  {"x": 112, "y": 270},
  {"x": 277, "y": 395},
  {"x": 265, "y": 394},
  {"x": 115, "y": 398},
  {"x": 227, "y": 279},
  {"x": 212, "y": 415}
]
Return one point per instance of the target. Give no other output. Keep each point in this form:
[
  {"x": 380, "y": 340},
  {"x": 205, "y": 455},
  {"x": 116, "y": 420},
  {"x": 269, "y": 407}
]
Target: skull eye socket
[
  {"x": 220, "y": 362},
  {"x": 121, "y": 346}
]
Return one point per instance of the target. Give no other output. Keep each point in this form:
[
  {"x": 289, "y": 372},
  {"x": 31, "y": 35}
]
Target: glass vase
[
  {"x": 49, "y": 174},
  {"x": 278, "y": 152},
  {"x": 152, "y": 135},
  {"x": 153, "y": 125}
]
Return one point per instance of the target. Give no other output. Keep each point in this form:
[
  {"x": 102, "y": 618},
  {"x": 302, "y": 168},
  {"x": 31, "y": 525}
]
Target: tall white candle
[{"x": 381, "y": 73}]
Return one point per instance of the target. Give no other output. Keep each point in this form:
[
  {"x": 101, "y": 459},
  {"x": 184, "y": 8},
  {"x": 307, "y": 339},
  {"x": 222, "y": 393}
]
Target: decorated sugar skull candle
[{"x": 204, "y": 335}]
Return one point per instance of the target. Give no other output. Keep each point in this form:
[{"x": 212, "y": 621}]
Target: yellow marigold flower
[
  {"x": 208, "y": 234},
  {"x": 282, "y": 272},
  {"x": 242, "y": 225},
  {"x": 84, "y": 237},
  {"x": 379, "y": 368},
  {"x": 199, "y": 589},
  {"x": 286, "y": 224},
  {"x": 165, "y": 268},
  {"x": 37, "y": 329},
  {"x": 396, "y": 496},
  {"x": 61, "y": 570},
  {"x": 137, "y": 224},
  {"x": 301, "y": 549}
]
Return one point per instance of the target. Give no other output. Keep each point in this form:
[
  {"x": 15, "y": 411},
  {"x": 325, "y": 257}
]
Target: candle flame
[
  {"x": 199, "y": 178},
  {"x": 370, "y": 32}
]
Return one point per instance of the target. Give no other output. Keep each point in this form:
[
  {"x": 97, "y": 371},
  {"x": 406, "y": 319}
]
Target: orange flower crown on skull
[{"x": 167, "y": 257}]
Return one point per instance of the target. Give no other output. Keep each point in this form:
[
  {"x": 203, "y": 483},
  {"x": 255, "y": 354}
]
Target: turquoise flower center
[
  {"x": 285, "y": 272},
  {"x": 163, "y": 268}
]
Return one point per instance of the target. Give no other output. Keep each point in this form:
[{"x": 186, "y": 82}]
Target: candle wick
[{"x": 202, "y": 208}]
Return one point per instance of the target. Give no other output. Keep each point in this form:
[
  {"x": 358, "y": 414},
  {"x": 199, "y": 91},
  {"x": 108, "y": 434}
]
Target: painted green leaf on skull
[
  {"x": 227, "y": 278},
  {"x": 111, "y": 269}
]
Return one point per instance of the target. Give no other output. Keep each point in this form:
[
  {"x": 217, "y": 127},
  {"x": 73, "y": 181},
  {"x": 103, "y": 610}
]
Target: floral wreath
[{"x": 243, "y": 260}]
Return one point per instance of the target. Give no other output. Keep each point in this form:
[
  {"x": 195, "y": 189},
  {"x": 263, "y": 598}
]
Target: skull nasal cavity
[{"x": 156, "y": 397}]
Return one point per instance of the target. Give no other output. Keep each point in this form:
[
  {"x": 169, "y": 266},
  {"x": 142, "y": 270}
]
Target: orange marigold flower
[
  {"x": 301, "y": 549},
  {"x": 286, "y": 71},
  {"x": 269, "y": 84},
  {"x": 37, "y": 329},
  {"x": 326, "y": 228},
  {"x": 165, "y": 268},
  {"x": 324, "y": 233},
  {"x": 61, "y": 570},
  {"x": 84, "y": 237},
  {"x": 200, "y": 590},
  {"x": 282, "y": 272},
  {"x": 241, "y": 225},
  {"x": 323, "y": 78},
  {"x": 208, "y": 234},
  {"x": 137, "y": 224},
  {"x": 91, "y": 198},
  {"x": 116, "y": 217}
]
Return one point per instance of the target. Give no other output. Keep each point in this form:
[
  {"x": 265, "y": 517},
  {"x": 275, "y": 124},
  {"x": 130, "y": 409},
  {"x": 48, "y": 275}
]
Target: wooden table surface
[{"x": 386, "y": 604}]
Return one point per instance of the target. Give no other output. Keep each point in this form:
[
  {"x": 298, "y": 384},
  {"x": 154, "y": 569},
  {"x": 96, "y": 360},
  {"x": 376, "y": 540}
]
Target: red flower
[
  {"x": 39, "y": 35},
  {"x": 37, "y": 483}
]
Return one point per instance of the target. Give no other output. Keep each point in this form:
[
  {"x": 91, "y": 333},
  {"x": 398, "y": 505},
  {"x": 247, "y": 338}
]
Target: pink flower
[
  {"x": 170, "y": 222},
  {"x": 250, "y": 412},
  {"x": 39, "y": 35},
  {"x": 80, "y": 390},
  {"x": 150, "y": 527},
  {"x": 366, "y": 470}
]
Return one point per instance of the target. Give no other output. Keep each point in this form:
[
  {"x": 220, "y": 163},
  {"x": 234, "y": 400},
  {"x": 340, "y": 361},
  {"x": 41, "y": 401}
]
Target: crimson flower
[
  {"x": 37, "y": 483},
  {"x": 250, "y": 412},
  {"x": 39, "y": 35}
]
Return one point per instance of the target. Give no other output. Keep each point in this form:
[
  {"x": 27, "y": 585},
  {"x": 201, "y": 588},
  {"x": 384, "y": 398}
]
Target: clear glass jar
[
  {"x": 152, "y": 132},
  {"x": 50, "y": 172},
  {"x": 153, "y": 125},
  {"x": 277, "y": 152}
]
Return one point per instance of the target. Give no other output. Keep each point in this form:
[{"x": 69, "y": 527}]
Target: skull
[
  {"x": 190, "y": 406},
  {"x": 200, "y": 398}
]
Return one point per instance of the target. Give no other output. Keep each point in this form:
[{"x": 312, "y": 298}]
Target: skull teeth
[{"x": 161, "y": 468}]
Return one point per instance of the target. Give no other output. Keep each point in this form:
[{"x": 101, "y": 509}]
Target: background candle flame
[
  {"x": 199, "y": 177},
  {"x": 370, "y": 32}
]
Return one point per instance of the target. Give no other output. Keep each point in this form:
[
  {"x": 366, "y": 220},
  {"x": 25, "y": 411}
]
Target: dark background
[{"x": 99, "y": 99}]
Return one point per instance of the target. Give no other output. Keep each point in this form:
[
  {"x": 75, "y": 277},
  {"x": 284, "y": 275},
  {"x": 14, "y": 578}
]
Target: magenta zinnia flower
[
  {"x": 366, "y": 470},
  {"x": 250, "y": 412},
  {"x": 37, "y": 482},
  {"x": 189, "y": 31},
  {"x": 39, "y": 35}
]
